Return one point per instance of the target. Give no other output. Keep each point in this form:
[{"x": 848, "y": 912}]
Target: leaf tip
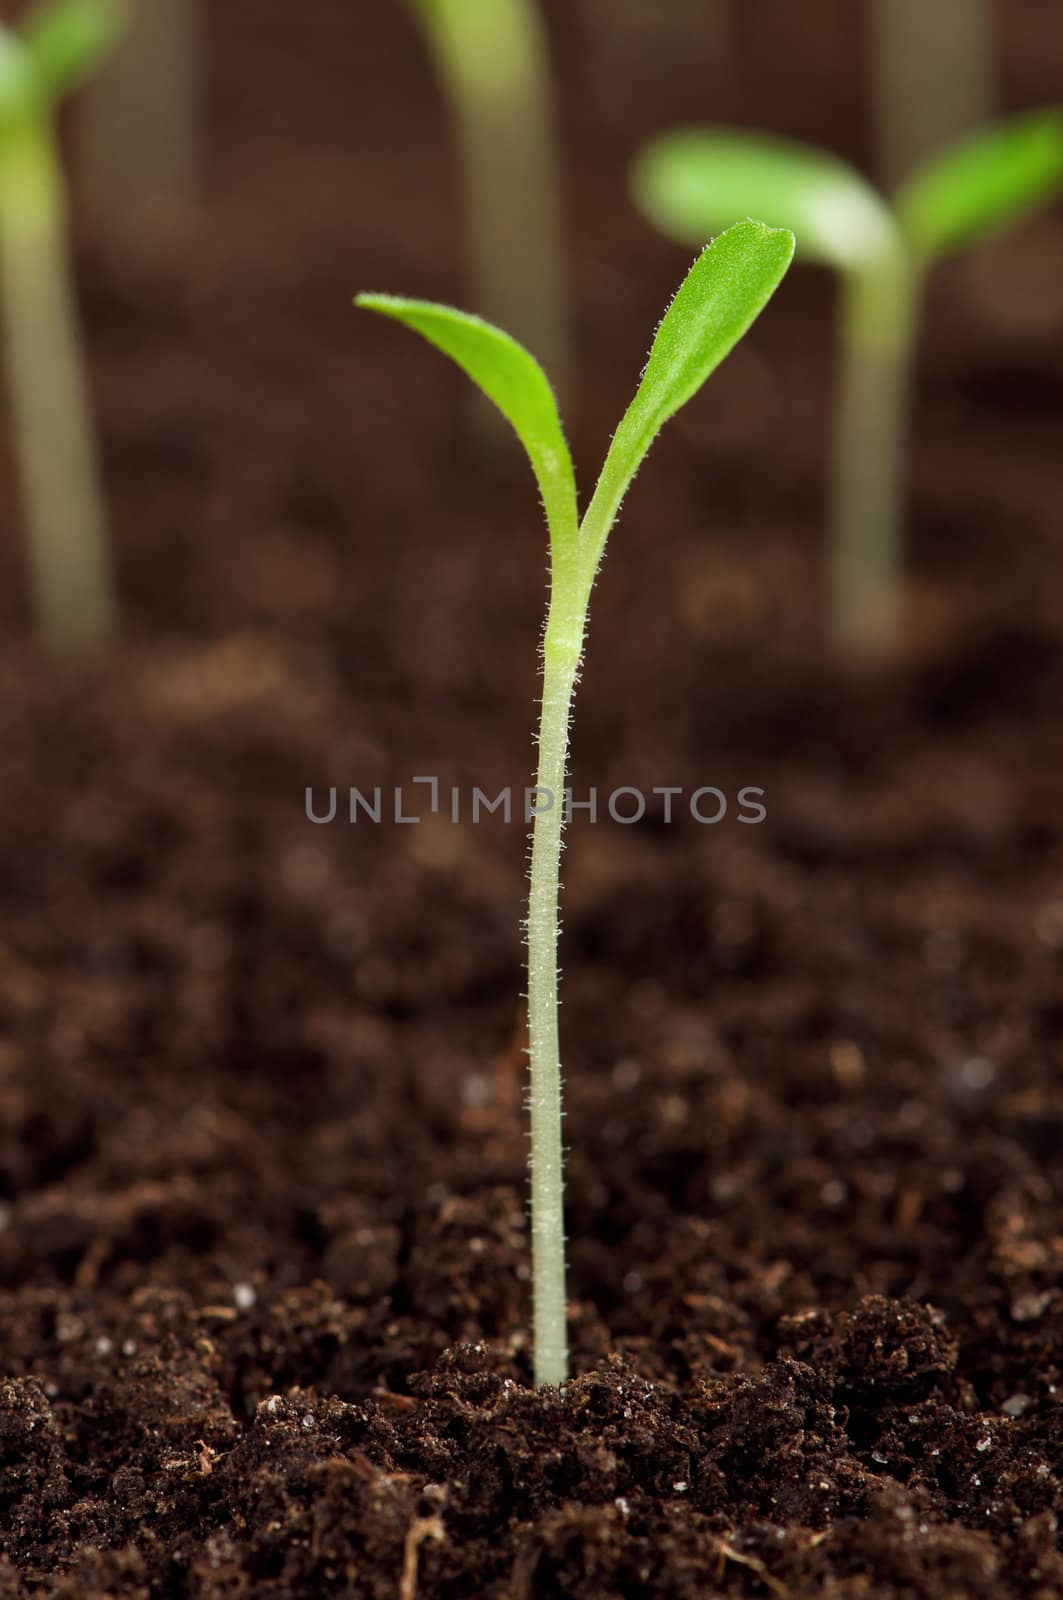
[
  {"x": 755, "y": 231},
  {"x": 783, "y": 235}
]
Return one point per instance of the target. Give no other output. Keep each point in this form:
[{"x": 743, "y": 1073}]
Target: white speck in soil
[
  {"x": 1028, "y": 1307},
  {"x": 977, "y": 1073},
  {"x": 477, "y": 1090}
]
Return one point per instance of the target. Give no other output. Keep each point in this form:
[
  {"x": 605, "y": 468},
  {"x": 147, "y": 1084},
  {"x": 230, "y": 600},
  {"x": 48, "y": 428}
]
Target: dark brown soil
[{"x": 263, "y": 1250}]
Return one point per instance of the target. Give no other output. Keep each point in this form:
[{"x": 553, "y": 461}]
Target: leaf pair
[
  {"x": 723, "y": 294},
  {"x": 693, "y": 180}
]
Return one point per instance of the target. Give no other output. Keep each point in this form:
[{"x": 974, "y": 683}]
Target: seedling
[
  {"x": 933, "y": 69},
  {"x": 140, "y": 134},
  {"x": 689, "y": 182},
  {"x": 491, "y": 58},
  {"x": 626, "y": 39},
  {"x": 723, "y": 294},
  {"x": 58, "y": 45}
]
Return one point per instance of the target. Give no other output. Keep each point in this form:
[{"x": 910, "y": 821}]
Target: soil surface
[{"x": 263, "y": 1245}]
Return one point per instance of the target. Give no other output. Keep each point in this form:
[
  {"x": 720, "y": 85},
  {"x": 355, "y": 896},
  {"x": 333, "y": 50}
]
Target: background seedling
[
  {"x": 690, "y": 182},
  {"x": 57, "y": 46},
  {"x": 934, "y": 78},
  {"x": 722, "y": 296},
  {"x": 632, "y": 45},
  {"x": 491, "y": 57},
  {"x": 140, "y": 128}
]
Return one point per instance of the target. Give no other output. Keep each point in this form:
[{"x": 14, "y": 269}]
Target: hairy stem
[
  {"x": 880, "y": 318},
  {"x": 54, "y": 446},
  {"x": 561, "y": 654}
]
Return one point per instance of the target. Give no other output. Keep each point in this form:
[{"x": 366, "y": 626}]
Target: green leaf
[
  {"x": 68, "y": 39},
  {"x": 513, "y": 380},
  {"x": 984, "y": 184},
  {"x": 692, "y": 183},
  {"x": 722, "y": 296}
]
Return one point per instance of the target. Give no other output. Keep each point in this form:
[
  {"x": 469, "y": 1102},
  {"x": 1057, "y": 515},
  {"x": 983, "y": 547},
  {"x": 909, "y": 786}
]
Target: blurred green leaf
[
  {"x": 509, "y": 377},
  {"x": 68, "y": 39},
  {"x": 20, "y": 93},
  {"x": 984, "y": 184},
  {"x": 694, "y": 182}
]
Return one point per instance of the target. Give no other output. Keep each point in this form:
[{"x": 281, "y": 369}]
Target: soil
[{"x": 263, "y": 1244}]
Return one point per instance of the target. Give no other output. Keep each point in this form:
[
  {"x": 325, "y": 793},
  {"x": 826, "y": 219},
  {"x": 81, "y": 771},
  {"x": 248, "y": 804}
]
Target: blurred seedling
[
  {"x": 722, "y": 296},
  {"x": 631, "y": 46},
  {"x": 57, "y": 47},
  {"x": 492, "y": 60},
  {"x": 140, "y": 126},
  {"x": 689, "y": 182},
  {"x": 933, "y": 71}
]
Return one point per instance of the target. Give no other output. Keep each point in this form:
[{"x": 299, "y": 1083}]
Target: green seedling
[
  {"x": 691, "y": 181},
  {"x": 58, "y": 45},
  {"x": 933, "y": 70},
  {"x": 140, "y": 129},
  {"x": 722, "y": 296},
  {"x": 491, "y": 58},
  {"x": 624, "y": 38}
]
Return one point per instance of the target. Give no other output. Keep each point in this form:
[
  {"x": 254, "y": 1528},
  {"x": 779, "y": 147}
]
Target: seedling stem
[
  {"x": 934, "y": 75},
  {"x": 879, "y": 321},
  {"x": 492, "y": 59},
  {"x": 140, "y": 132},
  {"x": 54, "y": 447}
]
